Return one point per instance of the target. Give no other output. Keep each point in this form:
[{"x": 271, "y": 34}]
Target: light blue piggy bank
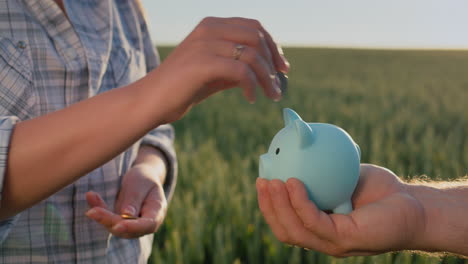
[{"x": 323, "y": 156}]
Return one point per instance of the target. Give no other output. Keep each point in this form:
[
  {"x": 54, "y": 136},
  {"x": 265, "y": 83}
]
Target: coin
[
  {"x": 283, "y": 82},
  {"x": 128, "y": 217}
]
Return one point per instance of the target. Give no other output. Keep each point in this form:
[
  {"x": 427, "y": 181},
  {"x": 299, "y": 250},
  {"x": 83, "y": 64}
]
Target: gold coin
[
  {"x": 126, "y": 216},
  {"x": 283, "y": 81}
]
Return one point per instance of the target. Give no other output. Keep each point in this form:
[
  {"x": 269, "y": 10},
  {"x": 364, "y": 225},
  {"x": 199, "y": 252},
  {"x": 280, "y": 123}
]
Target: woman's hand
[
  {"x": 141, "y": 196},
  {"x": 206, "y": 62},
  {"x": 386, "y": 216}
]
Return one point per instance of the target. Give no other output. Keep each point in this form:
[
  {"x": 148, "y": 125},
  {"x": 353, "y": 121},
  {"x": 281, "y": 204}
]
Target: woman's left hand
[{"x": 141, "y": 196}]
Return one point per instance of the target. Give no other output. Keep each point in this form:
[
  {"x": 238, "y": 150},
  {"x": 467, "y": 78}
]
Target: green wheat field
[{"x": 406, "y": 109}]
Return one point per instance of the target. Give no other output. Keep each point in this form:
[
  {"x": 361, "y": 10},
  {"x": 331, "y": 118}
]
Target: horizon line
[{"x": 363, "y": 47}]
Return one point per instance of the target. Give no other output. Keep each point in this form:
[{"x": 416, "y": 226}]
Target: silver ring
[{"x": 238, "y": 51}]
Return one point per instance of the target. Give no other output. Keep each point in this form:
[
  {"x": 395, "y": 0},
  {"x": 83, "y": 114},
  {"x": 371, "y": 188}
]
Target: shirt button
[{"x": 21, "y": 44}]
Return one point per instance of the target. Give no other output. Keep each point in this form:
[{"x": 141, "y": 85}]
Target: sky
[{"x": 336, "y": 23}]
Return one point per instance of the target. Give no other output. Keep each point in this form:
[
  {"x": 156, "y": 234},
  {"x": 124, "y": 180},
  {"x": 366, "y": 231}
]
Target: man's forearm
[{"x": 446, "y": 209}]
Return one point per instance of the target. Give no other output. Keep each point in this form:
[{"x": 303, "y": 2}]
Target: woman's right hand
[
  {"x": 204, "y": 63},
  {"x": 89, "y": 133}
]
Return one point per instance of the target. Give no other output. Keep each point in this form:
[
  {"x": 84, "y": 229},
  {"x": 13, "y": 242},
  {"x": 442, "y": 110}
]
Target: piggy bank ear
[
  {"x": 304, "y": 133},
  {"x": 290, "y": 116}
]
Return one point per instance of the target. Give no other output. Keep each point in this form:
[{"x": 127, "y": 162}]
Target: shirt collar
[{"x": 87, "y": 32}]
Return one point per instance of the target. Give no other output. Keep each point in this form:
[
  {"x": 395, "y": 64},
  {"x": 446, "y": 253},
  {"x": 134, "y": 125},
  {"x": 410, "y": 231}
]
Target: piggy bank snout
[{"x": 265, "y": 166}]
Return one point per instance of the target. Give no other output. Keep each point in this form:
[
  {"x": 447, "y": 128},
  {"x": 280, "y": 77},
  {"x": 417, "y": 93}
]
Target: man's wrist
[
  {"x": 425, "y": 195},
  {"x": 445, "y": 214}
]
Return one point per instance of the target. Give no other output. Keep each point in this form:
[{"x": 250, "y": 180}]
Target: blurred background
[{"x": 393, "y": 74}]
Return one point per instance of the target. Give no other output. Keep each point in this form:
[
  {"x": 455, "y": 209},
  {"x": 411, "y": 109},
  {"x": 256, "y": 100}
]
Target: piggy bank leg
[{"x": 344, "y": 208}]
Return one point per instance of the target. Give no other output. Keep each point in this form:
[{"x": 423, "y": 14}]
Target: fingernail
[
  {"x": 289, "y": 186},
  {"x": 260, "y": 183},
  {"x": 93, "y": 213},
  {"x": 271, "y": 189},
  {"x": 120, "y": 228},
  {"x": 129, "y": 210},
  {"x": 276, "y": 89},
  {"x": 276, "y": 187},
  {"x": 264, "y": 185},
  {"x": 277, "y": 81},
  {"x": 280, "y": 50},
  {"x": 285, "y": 61},
  {"x": 97, "y": 197}
]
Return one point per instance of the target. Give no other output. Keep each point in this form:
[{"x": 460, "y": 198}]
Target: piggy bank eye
[{"x": 277, "y": 151}]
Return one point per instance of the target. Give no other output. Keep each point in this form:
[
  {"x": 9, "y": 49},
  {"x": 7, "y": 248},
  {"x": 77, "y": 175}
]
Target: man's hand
[
  {"x": 141, "y": 195},
  {"x": 385, "y": 217}
]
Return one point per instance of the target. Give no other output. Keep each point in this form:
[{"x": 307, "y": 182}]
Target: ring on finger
[{"x": 238, "y": 49}]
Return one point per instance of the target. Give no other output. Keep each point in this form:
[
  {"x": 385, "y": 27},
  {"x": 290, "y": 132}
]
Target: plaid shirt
[{"x": 48, "y": 62}]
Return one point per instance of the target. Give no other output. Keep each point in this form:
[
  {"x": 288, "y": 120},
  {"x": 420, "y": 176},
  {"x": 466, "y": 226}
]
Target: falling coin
[
  {"x": 284, "y": 82},
  {"x": 128, "y": 217}
]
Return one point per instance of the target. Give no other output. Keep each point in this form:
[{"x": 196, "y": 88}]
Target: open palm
[{"x": 386, "y": 217}]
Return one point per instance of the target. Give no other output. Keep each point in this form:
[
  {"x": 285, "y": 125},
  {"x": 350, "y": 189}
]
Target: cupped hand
[
  {"x": 385, "y": 217},
  {"x": 205, "y": 63},
  {"x": 141, "y": 196}
]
